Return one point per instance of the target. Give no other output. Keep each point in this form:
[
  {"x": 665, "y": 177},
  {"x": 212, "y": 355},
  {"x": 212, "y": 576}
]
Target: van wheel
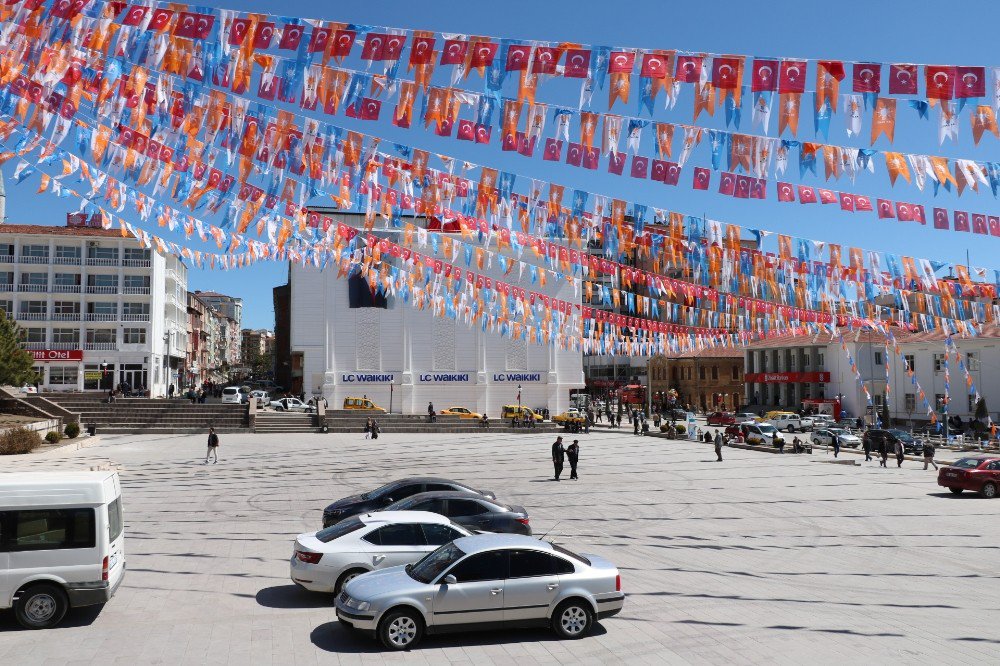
[
  {"x": 400, "y": 629},
  {"x": 348, "y": 575},
  {"x": 955, "y": 491},
  {"x": 989, "y": 490},
  {"x": 791, "y": 428},
  {"x": 41, "y": 606},
  {"x": 572, "y": 619}
]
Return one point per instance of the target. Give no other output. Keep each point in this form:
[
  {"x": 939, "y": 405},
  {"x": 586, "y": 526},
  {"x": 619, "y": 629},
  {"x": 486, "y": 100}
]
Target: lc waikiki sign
[
  {"x": 520, "y": 377},
  {"x": 446, "y": 377},
  {"x": 369, "y": 378}
]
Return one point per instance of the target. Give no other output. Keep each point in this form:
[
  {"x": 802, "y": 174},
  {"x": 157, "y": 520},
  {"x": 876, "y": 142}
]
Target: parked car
[
  {"x": 261, "y": 397},
  {"x": 234, "y": 395},
  {"x": 62, "y": 543},
  {"x": 323, "y": 561},
  {"x": 744, "y": 417},
  {"x": 469, "y": 509},
  {"x": 363, "y": 404},
  {"x": 571, "y": 419},
  {"x": 461, "y": 412},
  {"x": 29, "y": 389},
  {"x": 493, "y": 580},
  {"x": 910, "y": 445},
  {"x": 824, "y": 437},
  {"x": 980, "y": 474},
  {"x": 823, "y": 421},
  {"x": 508, "y": 412},
  {"x": 391, "y": 492},
  {"x": 791, "y": 422},
  {"x": 762, "y": 433},
  {"x": 721, "y": 419},
  {"x": 291, "y": 405},
  {"x": 847, "y": 423}
]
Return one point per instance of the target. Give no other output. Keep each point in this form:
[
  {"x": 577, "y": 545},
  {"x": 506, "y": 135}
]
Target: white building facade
[
  {"x": 96, "y": 309},
  {"x": 405, "y": 358}
]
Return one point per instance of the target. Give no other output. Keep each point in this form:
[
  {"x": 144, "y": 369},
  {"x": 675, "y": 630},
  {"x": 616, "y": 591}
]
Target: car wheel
[
  {"x": 572, "y": 619},
  {"x": 41, "y": 607},
  {"x": 400, "y": 629},
  {"x": 791, "y": 428},
  {"x": 955, "y": 491},
  {"x": 989, "y": 490},
  {"x": 348, "y": 575},
  {"x": 279, "y": 409}
]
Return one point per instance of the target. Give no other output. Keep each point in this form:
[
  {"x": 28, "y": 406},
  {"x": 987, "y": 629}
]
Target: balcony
[
  {"x": 135, "y": 317},
  {"x": 67, "y": 261},
  {"x": 100, "y": 316},
  {"x": 135, "y": 290},
  {"x": 34, "y": 345},
  {"x": 64, "y": 345},
  {"x": 100, "y": 346},
  {"x": 92, "y": 261},
  {"x": 31, "y": 259},
  {"x": 135, "y": 263},
  {"x": 6, "y": 286},
  {"x": 102, "y": 289},
  {"x": 31, "y": 316},
  {"x": 66, "y": 316},
  {"x": 33, "y": 287},
  {"x": 7, "y": 259},
  {"x": 66, "y": 289}
]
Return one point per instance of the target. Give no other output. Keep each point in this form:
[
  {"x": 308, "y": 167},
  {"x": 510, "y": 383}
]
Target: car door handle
[
  {"x": 552, "y": 586},
  {"x": 378, "y": 559},
  {"x": 496, "y": 590}
]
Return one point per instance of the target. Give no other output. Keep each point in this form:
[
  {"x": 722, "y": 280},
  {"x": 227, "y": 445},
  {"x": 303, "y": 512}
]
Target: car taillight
[
  {"x": 308, "y": 558},
  {"x": 523, "y": 521},
  {"x": 618, "y": 583},
  {"x": 104, "y": 569}
]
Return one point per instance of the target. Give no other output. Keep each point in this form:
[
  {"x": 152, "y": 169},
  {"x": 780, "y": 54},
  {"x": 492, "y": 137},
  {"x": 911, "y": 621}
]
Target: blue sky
[{"x": 878, "y": 30}]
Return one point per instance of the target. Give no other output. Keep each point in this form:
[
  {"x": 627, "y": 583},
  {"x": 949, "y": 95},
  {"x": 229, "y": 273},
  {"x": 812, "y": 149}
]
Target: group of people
[
  {"x": 372, "y": 428},
  {"x": 559, "y": 455}
]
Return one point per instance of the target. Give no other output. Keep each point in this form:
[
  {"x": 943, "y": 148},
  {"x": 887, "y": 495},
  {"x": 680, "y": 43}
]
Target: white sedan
[
  {"x": 291, "y": 405},
  {"x": 323, "y": 561},
  {"x": 824, "y": 437}
]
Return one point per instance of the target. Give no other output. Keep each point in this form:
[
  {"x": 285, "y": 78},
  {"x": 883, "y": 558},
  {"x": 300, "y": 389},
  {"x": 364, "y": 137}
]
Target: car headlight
[{"x": 357, "y": 604}]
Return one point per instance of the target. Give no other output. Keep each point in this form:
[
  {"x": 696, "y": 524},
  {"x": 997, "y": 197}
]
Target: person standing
[
  {"x": 929, "y": 454},
  {"x": 573, "y": 453},
  {"x": 170, "y": 391},
  {"x": 859, "y": 424},
  {"x": 375, "y": 429},
  {"x": 718, "y": 446},
  {"x": 558, "y": 455},
  {"x": 899, "y": 453},
  {"x": 883, "y": 452},
  {"x": 868, "y": 448},
  {"x": 213, "y": 447},
  {"x": 836, "y": 445},
  {"x": 368, "y": 428}
]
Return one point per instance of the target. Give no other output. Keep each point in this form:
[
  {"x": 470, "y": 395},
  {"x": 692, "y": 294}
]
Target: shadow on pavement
[
  {"x": 334, "y": 637},
  {"x": 292, "y": 596},
  {"x": 75, "y": 617},
  {"x": 968, "y": 494}
]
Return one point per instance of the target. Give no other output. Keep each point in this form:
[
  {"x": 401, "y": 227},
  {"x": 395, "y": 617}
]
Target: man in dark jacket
[
  {"x": 213, "y": 446},
  {"x": 558, "y": 455},
  {"x": 573, "y": 453},
  {"x": 929, "y": 455},
  {"x": 868, "y": 448}
]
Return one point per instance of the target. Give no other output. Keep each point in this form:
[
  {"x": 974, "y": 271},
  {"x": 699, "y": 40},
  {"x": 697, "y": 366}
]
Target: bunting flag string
[{"x": 919, "y": 391}]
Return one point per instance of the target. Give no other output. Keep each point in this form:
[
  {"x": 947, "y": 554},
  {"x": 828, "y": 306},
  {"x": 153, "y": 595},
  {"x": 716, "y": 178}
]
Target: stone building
[{"x": 707, "y": 379}]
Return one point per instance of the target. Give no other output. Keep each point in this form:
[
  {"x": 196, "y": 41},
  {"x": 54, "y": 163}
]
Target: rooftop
[{"x": 47, "y": 230}]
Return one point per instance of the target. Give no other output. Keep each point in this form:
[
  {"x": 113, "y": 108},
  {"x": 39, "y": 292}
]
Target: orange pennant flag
[
  {"x": 788, "y": 112},
  {"x": 704, "y": 99},
  {"x": 984, "y": 120},
  {"x": 895, "y": 163},
  {"x": 621, "y": 83},
  {"x": 884, "y": 118}
]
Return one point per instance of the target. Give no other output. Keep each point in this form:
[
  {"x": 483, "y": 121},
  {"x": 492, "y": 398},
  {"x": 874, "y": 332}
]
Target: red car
[
  {"x": 721, "y": 418},
  {"x": 980, "y": 474}
]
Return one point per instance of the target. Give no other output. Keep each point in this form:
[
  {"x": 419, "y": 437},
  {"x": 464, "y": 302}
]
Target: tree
[
  {"x": 15, "y": 363},
  {"x": 885, "y": 417},
  {"x": 982, "y": 414}
]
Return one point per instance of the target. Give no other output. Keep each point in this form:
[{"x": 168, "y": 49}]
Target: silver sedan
[{"x": 483, "y": 581}]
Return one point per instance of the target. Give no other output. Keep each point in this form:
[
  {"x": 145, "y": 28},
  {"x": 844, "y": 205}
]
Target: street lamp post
[{"x": 518, "y": 400}]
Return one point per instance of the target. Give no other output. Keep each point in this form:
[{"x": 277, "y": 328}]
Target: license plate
[
  {"x": 112, "y": 561},
  {"x": 952, "y": 474}
]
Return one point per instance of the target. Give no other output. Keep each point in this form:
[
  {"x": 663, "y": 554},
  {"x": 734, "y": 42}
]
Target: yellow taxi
[
  {"x": 510, "y": 411},
  {"x": 363, "y": 404},
  {"x": 461, "y": 412}
]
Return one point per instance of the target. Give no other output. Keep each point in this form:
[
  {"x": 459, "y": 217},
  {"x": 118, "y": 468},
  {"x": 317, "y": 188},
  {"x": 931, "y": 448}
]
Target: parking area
[{"x": 783, "y": 559}]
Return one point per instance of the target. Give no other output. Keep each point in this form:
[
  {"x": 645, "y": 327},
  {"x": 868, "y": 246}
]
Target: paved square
[{"x": 761, "y": 558}]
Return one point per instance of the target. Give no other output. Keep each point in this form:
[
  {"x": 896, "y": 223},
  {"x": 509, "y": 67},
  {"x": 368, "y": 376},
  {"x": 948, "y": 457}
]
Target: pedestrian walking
[
  {"x": 859, "y": 424},
  {"x": 375, "y": 429},
  {"x": 836, "y": 445},
  {"x": 868, "y": 448},
  {"x": 929, "y": 455},
  {"x": 883, "y": 452},
  {"x": 718, "y": 446},
  {"x": 573, "y": 453},
  {"x": 899, "y": 453},
  {"x": 213, "y": 447},
  {"x": 558, "y": 455},
  {"x": 368, "y": 428},
  {"x": 170, "y": 391}
]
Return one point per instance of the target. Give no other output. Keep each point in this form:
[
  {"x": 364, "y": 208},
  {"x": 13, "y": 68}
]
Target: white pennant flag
[
  {"x": 853, "y": 115},
  {"x": 948, "y": 128}
]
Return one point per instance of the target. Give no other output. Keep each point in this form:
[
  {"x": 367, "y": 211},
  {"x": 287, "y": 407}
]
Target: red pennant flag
[
  {"x": 827, "y": 196},
  {"x": 370, "y": 108},
  {"x": 621, "y": 62},
  {"x": 616, "y": 163},
  {"x": 318, "y": 40},
  {"x": 518, "y": 56},
  {"x": 688, "y": 68},
  {"x": 793, "y": 76},
  {"x": 466, "y": 130},
  {"x": 483, "y": 54},
  {"x": 727, "y": 184},
  {"x": 863, "y": 203},
  {"x": 970, "y": 82},
  {"x": 918, "y": 213},
  {"x": 291, "y": 35},
  {"x": 640, "y": 165},
  {"x": 577, "y": 64},
  {"x": 592, "y": 158},
  {"x": 885, "y": 210},
  {"x": 786, "y": 192},
  {"x": 940, "y": 81},
  {"x": 421, "y": 50},
  {"x": 807, "y": 195},
  {"x": 994, "y": 223},
  {"x": 725, "y": 73},
  {"x": 135, "y": 15},
  {"x": 702, "y": 178},
  {"x": 941, "y": 218},
  {"x": 902, "y": 79},
  {"x": 574, "y": 156},
  {"x": 979, "y": 222},
  {"x": 742, "y": 187},
  {"x": 659, "y": 171},
  {"x": 867, "y": 77},
  {"x": 758, "y": 188},
  {"x": 961, "y": 221},
  {"x": 654, "y": 65},
  {"x": 904, "y": 212},
  {"x": 454, "y": 52},
  {"x": 672, "y": 175},
  {"x": 553, "y": 150},
  {"x": 847, "y": 201},
  {"x": 483, "y": 133},
  {"x": 159, "y": 20},
  {"x": 765, "y": 76},
  {"x": 546, "y": 59}
]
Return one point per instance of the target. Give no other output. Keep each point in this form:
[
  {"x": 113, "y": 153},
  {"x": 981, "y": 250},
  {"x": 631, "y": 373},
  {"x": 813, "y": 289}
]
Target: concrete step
[{"x": 109, "y": 430}]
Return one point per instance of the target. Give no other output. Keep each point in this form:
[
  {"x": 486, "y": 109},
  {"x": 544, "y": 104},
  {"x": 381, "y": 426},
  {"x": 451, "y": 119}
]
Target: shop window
[{"x": 60, "y": 375}]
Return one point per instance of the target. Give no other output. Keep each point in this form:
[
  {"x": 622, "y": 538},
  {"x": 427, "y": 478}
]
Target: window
[
  {"x": 102, "y": 308},
  {"x": 736, "y": 372},
  {"x": 404, "y": 534},
  {"x": 115, "y": 522},
  {"x": 432, "y": 505},
  {"x": 689, "y": 373},
  {"x": 33, "y": 307},
  {"x": 939, "y": 361},
  {"x": 67, "y": 252},
  {"x": 136, "y": 281},
  {"x": 715, "y": 372},
  {"x": 402, "y": 492},
  {"x": 65, "y": 307},
  {"x": 134, "y": 336},
  {"x": 806, "y": 360},
  {"x": 100, "y": 252},
  {"x": 972, "y": 361},
  {"x": 459, "y": 508},
  {"x": 102, "y": 280},
  {"x": 41, "y": 251},
  {"x": 342, "y": 528},
  {"x": 136, "y": 254},
  {"x": 35, "y": 278},
  {"x": 6, "y": 307},
  {"x": 67, "y": 280},
  {"x": 6, "y": 277},
  {"x": 701, "y": 372},
  {"x": 135, "y": 308},
  {"x": 819, "y": 360},
  {"x": 100, "y": 335},
  {"x": 491, "y": 565},
  {"x": 909, "y": 403},
  {"x": 438, "y": 535},
  {"x": 878, "y": 358},
  {"x": 360, "y": 295},
  {"x": 6, "y": 249},
  {"x": 66, "y": 335},
  {"x": 52, "y": 529},
  {"x": 34, "y": 334},
  {"x": 911, "y": 363},
  {"x": 60, "y": 375},
  {"x": 529, "y": 563}
]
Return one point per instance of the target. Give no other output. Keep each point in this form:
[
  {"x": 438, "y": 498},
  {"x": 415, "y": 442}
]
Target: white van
[
  {"x": 62, "y": 543},
  {"x": 791, "y": 422},
  {"x": 233, "y": 394}
]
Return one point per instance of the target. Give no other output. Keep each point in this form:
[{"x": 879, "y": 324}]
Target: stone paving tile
[{"x": 761, "y": 558}]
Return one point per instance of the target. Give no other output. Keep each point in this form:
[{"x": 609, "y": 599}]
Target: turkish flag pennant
[
  {"x": 941, "y": 219},
  {"x": 466, "y": 130},
  {"x": 847, "y": 201},
  {"x": 994, "y": 224},
  {"x": 509, "y": 141},
  {"x": 726, "y": 72},
  {"x": 758, "y": 188},
  {"x": 574, "y": 156},
  {"x": 318, "y": 40},
  {"x": 291, "y": 36},
  {"x": 702, "y": 178},
  {"x": 518, "y": 56},
  {"x": 885, "y": 210},
  {"x": 742, "y": 187},
  {"x": 577, "y": 64},
  {"x": 483, "y": 133},
  {"x": 765, "y": 75},
  {"x": 961, "y": 221},
  {"x": 640, "y": 166},
  {"x": 672, "y": 175},
  {"x": 786, "y": 192},
  {"x": 553, "y": 150},
  {"x": 483, "y": 54},
  {"x": 792, "y": 78},
  {"x": 918, "y": 213},
  {"x": 546, "y": 59},
  {"x": 454, "y": 52},
  {"x": 654, "y": 65},
  {"x": 688, "y": 68},
  {"x": 979, "y": 222},
  {"x": 526, "y": 145},
  {"x": 940, "y": 81},
  {"x": 159, "y": 20},
  {"x": 393, "y": 47},
  {"x": 444, "y": 127},
  {"x": 238, "y": 30},
  {"x": 135, "y": 15},
  {"x": 616, "y": 163},
  {"x": 370, "y": 108},
  {"x": 867, "y": 77},
  {"x": 592, "y": 158},
  {"x": 421, "y": 50},
  {"x": 902, "y": 79},
  {"x": 373, "y": 47},
  {"x": 658, "y": 171},
  {"x": 807, "y": 195},
  {"x": 727, "y": 184},
  {"x": 827, "y": 196},
  {"x": 904, "y": 212},
  {"x": 862, "y": 203},
  {"x": 621, "y": 62},
  {"x": 970, "y": 82},
  {"x": 263, "y": 35}
]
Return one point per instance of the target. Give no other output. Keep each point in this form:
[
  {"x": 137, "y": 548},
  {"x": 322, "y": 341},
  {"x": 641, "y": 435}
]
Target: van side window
[
  {"x": 115, "y": 519},
  {"x": 50, "y": 529}
]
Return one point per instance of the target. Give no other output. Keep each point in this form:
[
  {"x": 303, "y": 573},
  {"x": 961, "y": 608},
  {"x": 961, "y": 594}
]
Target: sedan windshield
[
  {"x": 767, "y": 429},
  {"x": 433, "y": 564},
  {"x": 902, "y": 435},
  {"x": 967, "y": 463},
  {"x": 383, "y": 490}
]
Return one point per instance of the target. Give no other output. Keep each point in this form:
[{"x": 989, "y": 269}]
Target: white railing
[
  {"x": 31, "y": 259},
  {"x": 94, "y": 261},
  {"x": 102, "y": 289},
  {"x": 135, "y": 317},
  {"x": 67, "y": 261},
  {"x": 34, "y": 345},
  {"x": 135, "y": 290},
  {"x": 6, "y": 286},
  {"x": 66, "y": 288},
  {"x": 32, "y": 287},
  {"x": 31, "y": 316},
  {"x": 65, "y": 345},
  {"x": 7, "y": 259},
  {"x": 100, "y": 346},
  {"x": 66, "y": 316},
  {"x": 100, "y": 316},
  {"x": 135, "y": 263}
]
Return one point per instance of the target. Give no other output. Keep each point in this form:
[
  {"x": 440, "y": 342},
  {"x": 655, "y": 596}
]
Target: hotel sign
[
  {"x": 46, "y": 355},
  {"x": 787, "y": 377}
]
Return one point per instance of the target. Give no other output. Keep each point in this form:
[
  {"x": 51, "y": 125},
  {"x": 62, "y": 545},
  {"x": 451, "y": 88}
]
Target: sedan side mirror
[
  {"x": 388, "y": 500},
  {"x": 449, "y": 579}
]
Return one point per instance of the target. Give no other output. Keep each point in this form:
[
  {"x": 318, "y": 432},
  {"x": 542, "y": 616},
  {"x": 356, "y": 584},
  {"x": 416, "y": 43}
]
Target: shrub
[
  {"x": 664, "y": 427},
  {"x": 72, "y": 430},
  {"x": 19, "y": 440},
  {"x": 681, "y": 429},
  {"x": 52, "y": 437}
]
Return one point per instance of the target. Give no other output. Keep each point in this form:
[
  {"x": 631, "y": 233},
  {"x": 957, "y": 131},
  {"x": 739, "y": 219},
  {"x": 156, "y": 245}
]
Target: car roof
[
  {"x": 427, "y": 479},
  {"x": 985, "y": 456},
  {"x": 480, "y": 542},
  {"x": 445, "y": 494},
  {"x": 377, "y": 517}
]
